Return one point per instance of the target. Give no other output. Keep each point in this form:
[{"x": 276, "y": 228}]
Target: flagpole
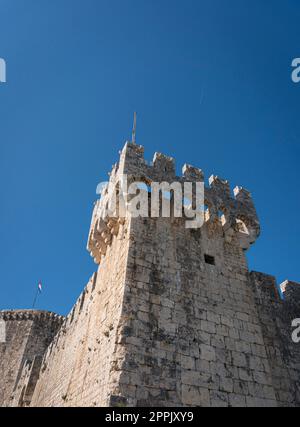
[
  {"x": 35, "y": 298},
  {"x": 39, "y": 289}
]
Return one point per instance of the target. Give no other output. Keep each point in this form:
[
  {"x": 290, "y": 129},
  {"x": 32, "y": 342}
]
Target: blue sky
[{"x": 211, "y": 82}]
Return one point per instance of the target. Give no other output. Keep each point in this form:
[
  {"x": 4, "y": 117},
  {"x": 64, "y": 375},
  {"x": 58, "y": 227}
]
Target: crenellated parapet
[
  {"x": 23, "y": 315},
  {"x": 27, "y": 334},
  {"x": 103, "y": 228},
  {"x": 277, "y": 314},
  {"x": 283, "y": 299},
  {"x": 267, "y": 289},
  {"x": 291, "y": 295},
  {"x": 234, "y": 211},
  {"x": 290, "y": 290}
]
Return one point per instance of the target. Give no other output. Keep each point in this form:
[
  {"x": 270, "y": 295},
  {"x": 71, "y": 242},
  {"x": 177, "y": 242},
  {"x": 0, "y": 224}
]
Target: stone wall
[
  {"x": 172, "y": 317},
  {"x": 276, "y": 315},
  {"x": 77, "y": 369},
  {"x": 193, "y": 336},
  {"x": 178, "y": 331},
  {"x": 28, "y": 334}
]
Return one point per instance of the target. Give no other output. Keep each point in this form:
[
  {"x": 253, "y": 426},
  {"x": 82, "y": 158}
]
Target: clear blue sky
[{"x": 210, "y": 80}]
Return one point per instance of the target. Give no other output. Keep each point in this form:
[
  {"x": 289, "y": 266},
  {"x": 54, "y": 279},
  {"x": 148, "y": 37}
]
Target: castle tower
[
  {"x": 190, "y": 328},
  {"x": 26, "y": 336},
  {"x": 173, "y": 317}
]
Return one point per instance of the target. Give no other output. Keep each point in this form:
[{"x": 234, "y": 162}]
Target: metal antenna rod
[{"x": 134, "y": 129}]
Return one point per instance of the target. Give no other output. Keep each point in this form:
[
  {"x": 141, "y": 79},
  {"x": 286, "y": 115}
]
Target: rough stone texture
[
  {"x": 194, "y": 336},
  {"x": 276, "y": 317},
  {"x": 28, "y": 334},
  {"x": 159, "y": 324},
  {"x": 78, "y": 367}
]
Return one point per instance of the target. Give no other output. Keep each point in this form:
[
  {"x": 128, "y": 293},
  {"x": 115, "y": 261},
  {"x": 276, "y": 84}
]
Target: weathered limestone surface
[
  {"x": 193, "y": 335},
  {"x": 172, "y": 317},
  {"x": 276, "y": 316},
  {"x": 28, "y": 334},
  {"x": 78, "y": 367}
]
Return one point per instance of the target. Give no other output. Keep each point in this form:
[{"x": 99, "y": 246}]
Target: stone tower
[
  {"x": 28, "y": 333},
  {"x": 173, "y": 317}
]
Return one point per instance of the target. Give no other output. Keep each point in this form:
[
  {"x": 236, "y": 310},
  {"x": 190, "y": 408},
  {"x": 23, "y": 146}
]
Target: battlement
[
  {"x": 291, "y": 291},
  {"x": 220, "y": 186},
  {"x": 29, "y": 315},
  {"x": 162, "y": 169},
  {"x": 190, "y": 173},
  {"x": 173, "y": 317},
  {"x": 28, "y": 333},
  {"x": 265, "y": 286},
  {"x": 267, "y": 289},
  {"x": 235, "y": 211}
]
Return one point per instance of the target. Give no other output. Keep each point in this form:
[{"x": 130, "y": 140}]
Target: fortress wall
[
  {"x": 276, "y": 317},
  {"x": 12, "y": 351},
  {"x": 190, "y": 331},
  {"x": 76, "y": 368},
  {"x": 28, "y": 334},
  {"x": 193, "y": 335},
  {"x": 171, "y": 318}
]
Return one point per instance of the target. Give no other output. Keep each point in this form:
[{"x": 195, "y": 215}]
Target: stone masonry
[
  {"x": 28, "y": 334},
  {"x": 173, "y": 317}
]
